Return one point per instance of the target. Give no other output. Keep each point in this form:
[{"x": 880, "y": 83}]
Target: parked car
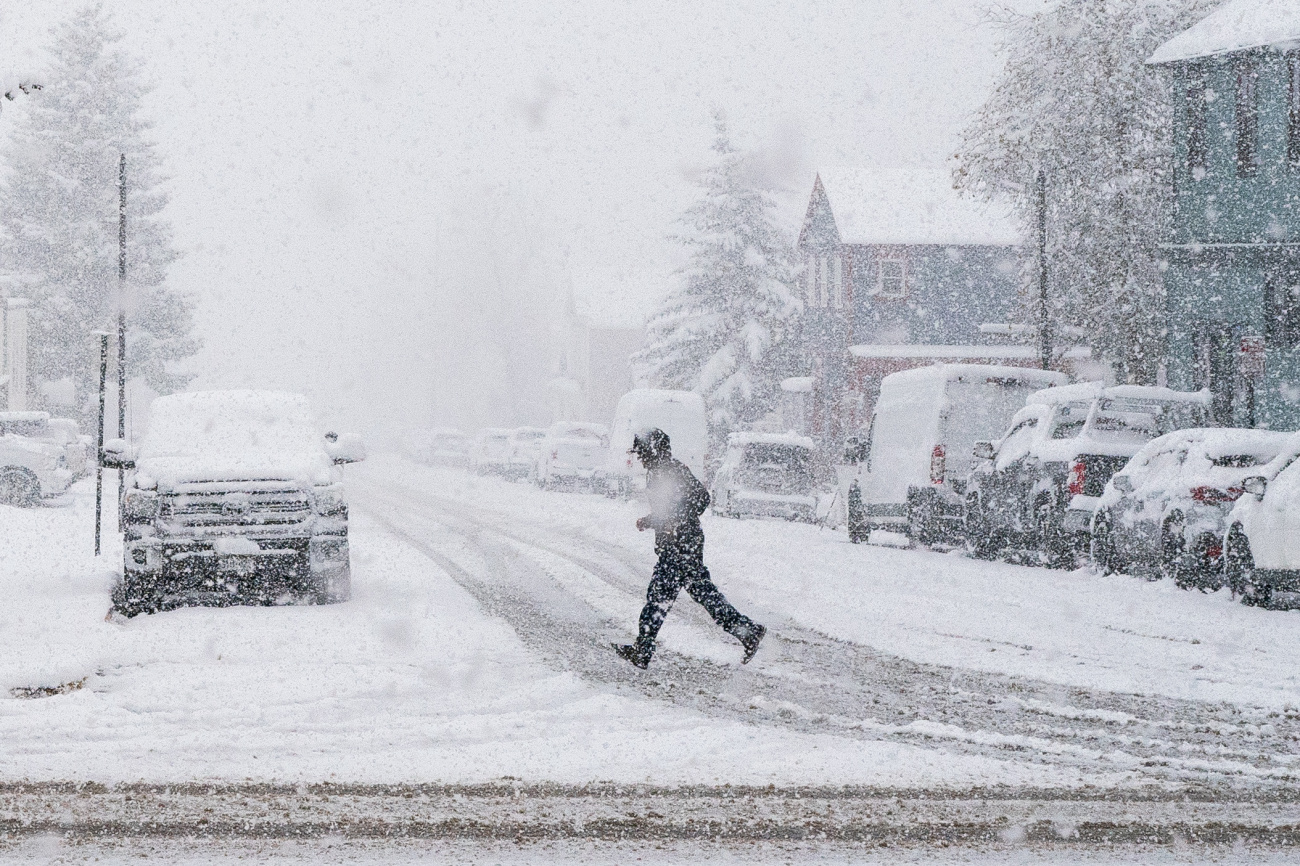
[
  {"x": 1166, "y": 511},
  {"x": 490, "y": 454},
  {"x": 1038, "y": 486},
  {"x": 440, "y": 446},
  {"x": 40, "y": 456},
  {"x": 767, "y": 474},
  {"x": 572, "y": 454},
  {"x": 233, "y": 497},
  {"x": 525, "y": 450},
  {"x": 909, "y": 475},
  {"x": 680, "y": 414},
  {"x": 1261, "y": 551}
]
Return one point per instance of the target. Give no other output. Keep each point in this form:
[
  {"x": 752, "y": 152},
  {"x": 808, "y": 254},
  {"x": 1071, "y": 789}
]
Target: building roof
[
  {"x": 1237, "y": 25},
  {"x": 909, "y": 206}
]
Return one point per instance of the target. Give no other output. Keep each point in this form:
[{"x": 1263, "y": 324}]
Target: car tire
[
  {"x": 1102, "y": 547},
  {"x": 19, "y": 487},
  {"x": 132, "y": 596},
  {"x": 981, "y": 540},
  {"x": 921, "y": 530}
]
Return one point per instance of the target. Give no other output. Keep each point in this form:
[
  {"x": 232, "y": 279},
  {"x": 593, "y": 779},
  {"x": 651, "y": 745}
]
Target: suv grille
[{"x": 237, "y": 508}]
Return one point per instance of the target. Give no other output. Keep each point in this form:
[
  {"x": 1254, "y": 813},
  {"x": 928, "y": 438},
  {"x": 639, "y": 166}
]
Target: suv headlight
[
  {"x": 330, "y": 500},
  {"x": 140, "y": 506}
]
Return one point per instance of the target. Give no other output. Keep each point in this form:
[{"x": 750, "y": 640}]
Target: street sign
[{"x": 1250, "y": 357}]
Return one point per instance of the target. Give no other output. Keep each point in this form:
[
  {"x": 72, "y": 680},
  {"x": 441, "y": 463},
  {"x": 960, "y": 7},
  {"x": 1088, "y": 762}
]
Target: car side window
[{"x": 1016, "y": 444}]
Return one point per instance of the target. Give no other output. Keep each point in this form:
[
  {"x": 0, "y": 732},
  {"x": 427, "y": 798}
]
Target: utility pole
[
  {"x": 121, "y": 323},
  {"x": 99, "y": 450},
  {"x": 1044, "y": 316}
]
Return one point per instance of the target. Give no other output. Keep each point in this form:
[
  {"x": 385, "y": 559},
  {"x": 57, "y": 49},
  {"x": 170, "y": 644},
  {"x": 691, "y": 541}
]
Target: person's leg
[
  {"x": 703, "y": 590},
  {"x": 665, "y": 583}
]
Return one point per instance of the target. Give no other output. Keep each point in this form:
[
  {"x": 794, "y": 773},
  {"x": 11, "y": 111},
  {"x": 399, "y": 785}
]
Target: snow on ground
[
  {"x": 410, "y": 681},
  {"x": 1076, "y": 628},
  {"x": 695, "y": 853}
]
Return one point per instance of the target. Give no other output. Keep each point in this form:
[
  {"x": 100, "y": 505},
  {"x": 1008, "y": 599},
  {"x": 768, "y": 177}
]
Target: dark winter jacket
[{"x": 677, "y": 499}]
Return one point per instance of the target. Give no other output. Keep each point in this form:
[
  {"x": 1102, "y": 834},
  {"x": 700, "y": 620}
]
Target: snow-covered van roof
[
  {"x": 232, "y": 436},
  {"x": 639, "y": 397},
  {"x": 562, "y": 428},
  {"x": 1237, "y": 25},
  {"x": 910, "y": 206},
  {"x": 954, "y": 372},
  {"x": 791, "y": 439}
]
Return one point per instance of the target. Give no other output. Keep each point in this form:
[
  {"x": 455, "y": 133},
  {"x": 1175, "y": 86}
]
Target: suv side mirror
[
  {"x": 1255, "y": 485},
  {"x": 116, "y": 454},
  {"x": 344, "y": 449},
  {"x": 1123, "y": 483},
  {"x": 984, "y": 451}
]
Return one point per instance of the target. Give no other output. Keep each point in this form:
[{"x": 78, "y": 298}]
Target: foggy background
[{"x": 382, "y": 205}]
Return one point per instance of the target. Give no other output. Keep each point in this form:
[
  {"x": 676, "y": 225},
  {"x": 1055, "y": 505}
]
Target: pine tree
[
  {"x": 723, "y": 328},
  {"x": 1077, "y": 101},
  {"x": 59, "y": 216}
]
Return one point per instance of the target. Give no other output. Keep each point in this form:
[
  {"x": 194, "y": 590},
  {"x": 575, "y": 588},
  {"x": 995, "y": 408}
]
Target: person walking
[{"x": 677, "y": 499}]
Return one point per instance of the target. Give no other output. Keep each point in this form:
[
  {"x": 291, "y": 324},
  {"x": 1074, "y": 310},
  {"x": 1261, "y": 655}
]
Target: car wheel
[
  {"x": 19, "y": 487},
  {"x": 920, "y": 522},
  {"x": 134, "y": 596},
  {"x": 1103, "y": 551}
]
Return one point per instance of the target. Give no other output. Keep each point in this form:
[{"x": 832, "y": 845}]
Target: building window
[
  {"x": 835, "y": 274},
  {"x": 891, "y": 278},
  {"x": 1198, "y": 151},
  {"x": 1282, "y": 312},
  {"x": 1247, "y": 117},
  {"x": 1293, "y": 113}
]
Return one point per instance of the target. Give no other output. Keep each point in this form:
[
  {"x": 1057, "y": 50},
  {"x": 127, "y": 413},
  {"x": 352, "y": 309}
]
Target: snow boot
[
  {"x": 751, "y": 642},
  {"x": 632, "y": 654}
]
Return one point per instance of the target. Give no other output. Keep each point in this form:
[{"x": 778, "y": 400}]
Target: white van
[
  {"x": 680, "y": 414},
  {"x": 910, "y": 473}
]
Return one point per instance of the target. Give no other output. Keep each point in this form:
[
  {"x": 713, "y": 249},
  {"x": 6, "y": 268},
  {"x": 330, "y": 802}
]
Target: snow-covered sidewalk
[{"x": 410, "y": 681}]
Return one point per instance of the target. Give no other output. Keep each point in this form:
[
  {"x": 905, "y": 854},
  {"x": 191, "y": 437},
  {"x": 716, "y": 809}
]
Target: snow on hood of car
[{"x": 231, "y": 436}]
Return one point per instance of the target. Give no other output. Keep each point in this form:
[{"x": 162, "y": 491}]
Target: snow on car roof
[
  {"x": 1237, "y": 25},
  {"x": 955, "y": 372},
  {"x": 1223, "y": 441},
  {"x": 910, "y": 206},
  {"x": 1079, "y": 392},
  {"x": 792, "y": 439},
  {"x": 232, "y": 436},
  {"x": 1153, "y": 392}
]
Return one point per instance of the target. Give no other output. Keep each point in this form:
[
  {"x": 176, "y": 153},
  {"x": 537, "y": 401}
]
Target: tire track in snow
[{"x": 810, "y": 682}]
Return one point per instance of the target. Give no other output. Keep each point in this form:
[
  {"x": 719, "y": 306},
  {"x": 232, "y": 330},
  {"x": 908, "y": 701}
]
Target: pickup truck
[{"x": 233, "y": 497}]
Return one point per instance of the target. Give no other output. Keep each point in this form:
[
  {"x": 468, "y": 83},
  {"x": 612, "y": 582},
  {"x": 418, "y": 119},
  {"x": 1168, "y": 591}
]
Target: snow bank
[{"x": 1235, "y": 26}]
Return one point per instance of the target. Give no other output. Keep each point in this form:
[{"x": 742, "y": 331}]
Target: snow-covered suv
[
  {"x": 40, "y": 456},
  {"x": 1038, "y": 486},
  {"x": 233, "y": 498},
  {"x": 1261, "y": 550},
  {"x": 767, "y": 474}
]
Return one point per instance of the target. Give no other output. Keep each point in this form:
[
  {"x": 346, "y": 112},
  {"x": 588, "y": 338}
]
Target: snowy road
[
  {"x": 567, "y": 594},
  {"x": 468, "y": 690}
]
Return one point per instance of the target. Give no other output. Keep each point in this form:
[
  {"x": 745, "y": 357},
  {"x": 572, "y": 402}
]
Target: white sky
[{"x": 371, "y": 196}]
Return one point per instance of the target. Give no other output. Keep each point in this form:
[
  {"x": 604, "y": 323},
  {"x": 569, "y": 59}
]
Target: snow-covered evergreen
[
  {"x": 724, "y": 328},
  {"x": 59, "y": 215},
  {"x": 1077, "y": 101}
]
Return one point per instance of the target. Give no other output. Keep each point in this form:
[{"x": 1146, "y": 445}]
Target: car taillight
[
  {"x": 555, "y": 455},
  {"x": 1077, "y": 474},
  {"x": 1214, "y": 496},
  {"x": 937, "y": 465}
]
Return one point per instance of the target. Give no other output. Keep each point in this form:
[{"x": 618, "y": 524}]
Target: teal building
[{"x": 1232, "y": 279}]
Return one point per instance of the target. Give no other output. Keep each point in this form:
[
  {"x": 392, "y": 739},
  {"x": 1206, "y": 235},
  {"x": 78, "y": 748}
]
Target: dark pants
[{"x": 673, "y": 573}]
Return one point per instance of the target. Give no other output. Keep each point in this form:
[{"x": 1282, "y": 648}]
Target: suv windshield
[{"x": 1123, "y": 419}]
